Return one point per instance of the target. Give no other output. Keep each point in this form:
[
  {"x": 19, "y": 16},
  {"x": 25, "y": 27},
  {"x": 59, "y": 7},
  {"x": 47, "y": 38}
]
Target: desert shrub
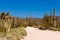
[
  {"x": 50, "y": 28},
  {"x": 2, "y": 34},
  {"x": 1, "y": 29},
  {"x": 37, "y": 26},
  {"x": 24, "y": 25},
  {"x": 58, "y": 24},
  {"x": 54, "y": 29},
  {"x": 14, "y": 34},
  {"x": 43, "y": 28},
  {"x": 22, "y": 31}
]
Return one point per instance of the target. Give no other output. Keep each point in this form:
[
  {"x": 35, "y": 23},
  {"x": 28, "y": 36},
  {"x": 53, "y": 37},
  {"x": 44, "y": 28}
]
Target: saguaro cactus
[
  {"x": 54, "y": 17},
  {"x": 14, "y": 22},
  {"x": 51, "y": 19}
]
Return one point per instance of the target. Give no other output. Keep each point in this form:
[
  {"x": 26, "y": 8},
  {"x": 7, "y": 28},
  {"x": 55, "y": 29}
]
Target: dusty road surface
[{"x": 36, "y": 34}]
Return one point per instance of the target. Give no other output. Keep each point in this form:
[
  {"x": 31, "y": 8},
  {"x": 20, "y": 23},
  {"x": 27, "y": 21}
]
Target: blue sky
[{"x": 36, "y": 8}]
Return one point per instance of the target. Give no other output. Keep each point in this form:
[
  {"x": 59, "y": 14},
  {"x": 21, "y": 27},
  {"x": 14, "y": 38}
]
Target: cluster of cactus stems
[
  {"x": 51, "y": 20},
  {"x": 7, "y": 22}
]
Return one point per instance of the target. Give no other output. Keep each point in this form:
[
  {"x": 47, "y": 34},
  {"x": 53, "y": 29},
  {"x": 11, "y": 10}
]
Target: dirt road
[{"x": 36, "y": 34}]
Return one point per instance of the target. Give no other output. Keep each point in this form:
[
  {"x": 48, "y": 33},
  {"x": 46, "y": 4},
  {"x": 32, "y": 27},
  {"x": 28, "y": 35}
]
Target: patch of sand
[{"x": 36, "y": 34}]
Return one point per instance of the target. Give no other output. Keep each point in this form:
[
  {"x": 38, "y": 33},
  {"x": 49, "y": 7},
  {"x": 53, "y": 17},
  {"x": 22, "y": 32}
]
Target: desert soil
[{"x": 36, "y": 34}]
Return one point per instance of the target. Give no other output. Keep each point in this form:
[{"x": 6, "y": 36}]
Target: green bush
[{"x": 22, "y": 31}]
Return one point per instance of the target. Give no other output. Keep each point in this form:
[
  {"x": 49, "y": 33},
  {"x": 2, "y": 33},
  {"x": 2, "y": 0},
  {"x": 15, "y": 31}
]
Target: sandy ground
[{"x": 36, "y": 34}]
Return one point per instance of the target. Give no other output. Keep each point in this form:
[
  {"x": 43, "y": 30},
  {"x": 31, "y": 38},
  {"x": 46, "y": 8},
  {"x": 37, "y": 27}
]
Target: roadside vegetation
[
  {"x": 10, "y": 28},
  {"x": 13, "y": 28},
  {"x": 13, "y": 34}
]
